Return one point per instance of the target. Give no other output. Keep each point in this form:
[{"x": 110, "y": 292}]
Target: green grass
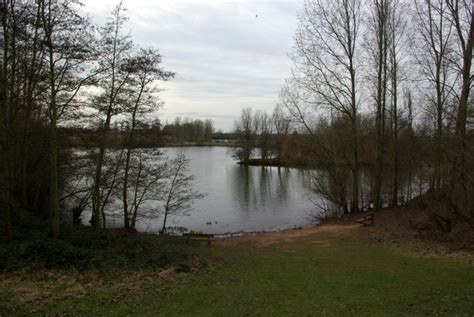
[
  {"x": 348, "y": 278},
  {"x": 323, "y": 275}
]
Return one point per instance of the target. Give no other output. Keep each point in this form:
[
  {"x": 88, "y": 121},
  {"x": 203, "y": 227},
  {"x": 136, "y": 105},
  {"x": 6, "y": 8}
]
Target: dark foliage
[{"x": 81, "y": 248}]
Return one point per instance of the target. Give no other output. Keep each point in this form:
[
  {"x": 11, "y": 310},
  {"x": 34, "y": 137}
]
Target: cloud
[{"x": 227, "y": 54}]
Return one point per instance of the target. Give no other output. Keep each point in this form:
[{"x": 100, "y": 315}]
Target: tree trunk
[
  {"x": 96, "y": 200},
  {"x": 381, "y": 100},
  {"x": 53, "y": 142},
  {"x": 461, "y": 121},
  {"x": 395, "y": 120},
  {"x": 355, "y": 169},
  {"x": 126, "y": 217},
  {"x": 7, "y": 201},
  {"x": 354, "y": 122},
  {"x": 459, "y": 179},
  {"x": 127, "y": 162},
  {"x": 53, "y": 181},
  {"x": 5, "y": 176}
]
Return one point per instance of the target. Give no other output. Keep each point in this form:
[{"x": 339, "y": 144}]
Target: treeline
[
  {"x": 263, "y": 136},
  {"x": 189, "y": 130},
  {"x": 380, "y": 99},
  {"x": 384, "y": 87},
  {"x": 278, "y": 140},
  {"x": 146, "y": 135},
  {"x": 55, "y": 62}
]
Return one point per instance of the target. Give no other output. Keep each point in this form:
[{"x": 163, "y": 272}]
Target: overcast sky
[{"x": 226, "y": 54}]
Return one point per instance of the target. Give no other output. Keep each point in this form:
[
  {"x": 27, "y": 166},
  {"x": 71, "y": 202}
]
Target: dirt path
[{"x": 265, "y": 239}]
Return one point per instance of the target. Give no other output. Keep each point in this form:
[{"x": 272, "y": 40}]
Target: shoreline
[
  {"x": 230, "y": 235},
  {"x": 268, "y": 238},
  {"x": 273, "y": 163}
]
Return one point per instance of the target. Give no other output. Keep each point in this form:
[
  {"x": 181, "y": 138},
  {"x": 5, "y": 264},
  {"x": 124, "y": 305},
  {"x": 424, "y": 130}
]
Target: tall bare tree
[
  {"x": 397, "y": 50},
  {"x": 461, "y": 16},
  {"x": 434, "y": 56},
  {"x": 6, "y": 186},
  {"x": 67, "y": 46},
  {"x": 379, "y": 25},
  {"x": 22, "y": 92},
  {"x": 145, "y": 71},
  {"x": 327, "y": 43},
  {"x": 114, "y": 52}
]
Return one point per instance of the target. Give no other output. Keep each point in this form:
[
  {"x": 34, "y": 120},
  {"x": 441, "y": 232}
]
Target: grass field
[{"x": 323, "y": 273}]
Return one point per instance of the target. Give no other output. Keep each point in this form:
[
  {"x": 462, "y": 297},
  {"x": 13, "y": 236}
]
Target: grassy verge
[{"x": 320, "y": 274}]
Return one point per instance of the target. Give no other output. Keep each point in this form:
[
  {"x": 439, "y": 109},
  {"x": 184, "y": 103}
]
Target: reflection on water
[
  {"x": 252, "y": 198},
  {"x": 258, "y": 188},
  {"x": 240, "y": 198}
]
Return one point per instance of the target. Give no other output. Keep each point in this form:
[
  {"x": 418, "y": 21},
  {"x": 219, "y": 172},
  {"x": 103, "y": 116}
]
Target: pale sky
[{"x": 227, "y": 54}]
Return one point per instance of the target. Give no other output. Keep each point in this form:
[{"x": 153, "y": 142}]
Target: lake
[
  {"x": 239, "y": 198},
  {"x": 244, "y": 199}
]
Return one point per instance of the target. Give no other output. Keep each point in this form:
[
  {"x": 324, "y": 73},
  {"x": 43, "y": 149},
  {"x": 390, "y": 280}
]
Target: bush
[
  {"x": 3, "y": 257},
  {"x": 82, "y": 247},
  {"x": 84, "y": 237},
  {"x": 52, "y": 253}
]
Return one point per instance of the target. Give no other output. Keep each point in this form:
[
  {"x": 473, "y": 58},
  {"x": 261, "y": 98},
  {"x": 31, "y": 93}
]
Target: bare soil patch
[
  {"x": 265, "y": 239},
  {"x": 408, "y": 228}
]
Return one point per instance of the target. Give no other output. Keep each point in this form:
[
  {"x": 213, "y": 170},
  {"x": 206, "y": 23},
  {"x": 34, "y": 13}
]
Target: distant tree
[
  {"x": 208, "y": 129},
  {"x": 264, "y": 131},
  {"x": 282, "y": 130},
  {"x": 191, "y": 130},
  {"x": 245, "y": 131}
]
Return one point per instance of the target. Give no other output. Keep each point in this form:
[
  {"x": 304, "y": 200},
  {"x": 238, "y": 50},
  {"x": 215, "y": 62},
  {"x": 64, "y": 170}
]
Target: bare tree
[
  {"x": 379, "y": 25},
  {"x": 327, "y": 42},
  {"x": 76, "y": 183},
  {"x": 461, "y": 16},
  {"x": 434, "y": 55},
  {"x": 113, "y": 164},
  {"x": 282, "y": 129},
  {"x": 245, "y": 129},
  {"x": 180, "y": 195},
  {"x": 208, "y": 129},
  {"x": 6, "y": 186},
  {"x": 397, "y": 50},
  {"x": 148, "y": 183},
  {"x": 265, "y": 131},
  {"x": 115, "y": 49},
  {"x": 67, "y": 44},
  {"x": 144, "y": 69}
]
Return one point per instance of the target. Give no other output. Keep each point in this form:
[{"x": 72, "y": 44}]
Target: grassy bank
[{"x": 323, "y": 272}]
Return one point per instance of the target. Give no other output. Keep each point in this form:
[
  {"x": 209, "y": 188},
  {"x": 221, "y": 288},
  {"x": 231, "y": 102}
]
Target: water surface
[{"x": 240, "y": 198}]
